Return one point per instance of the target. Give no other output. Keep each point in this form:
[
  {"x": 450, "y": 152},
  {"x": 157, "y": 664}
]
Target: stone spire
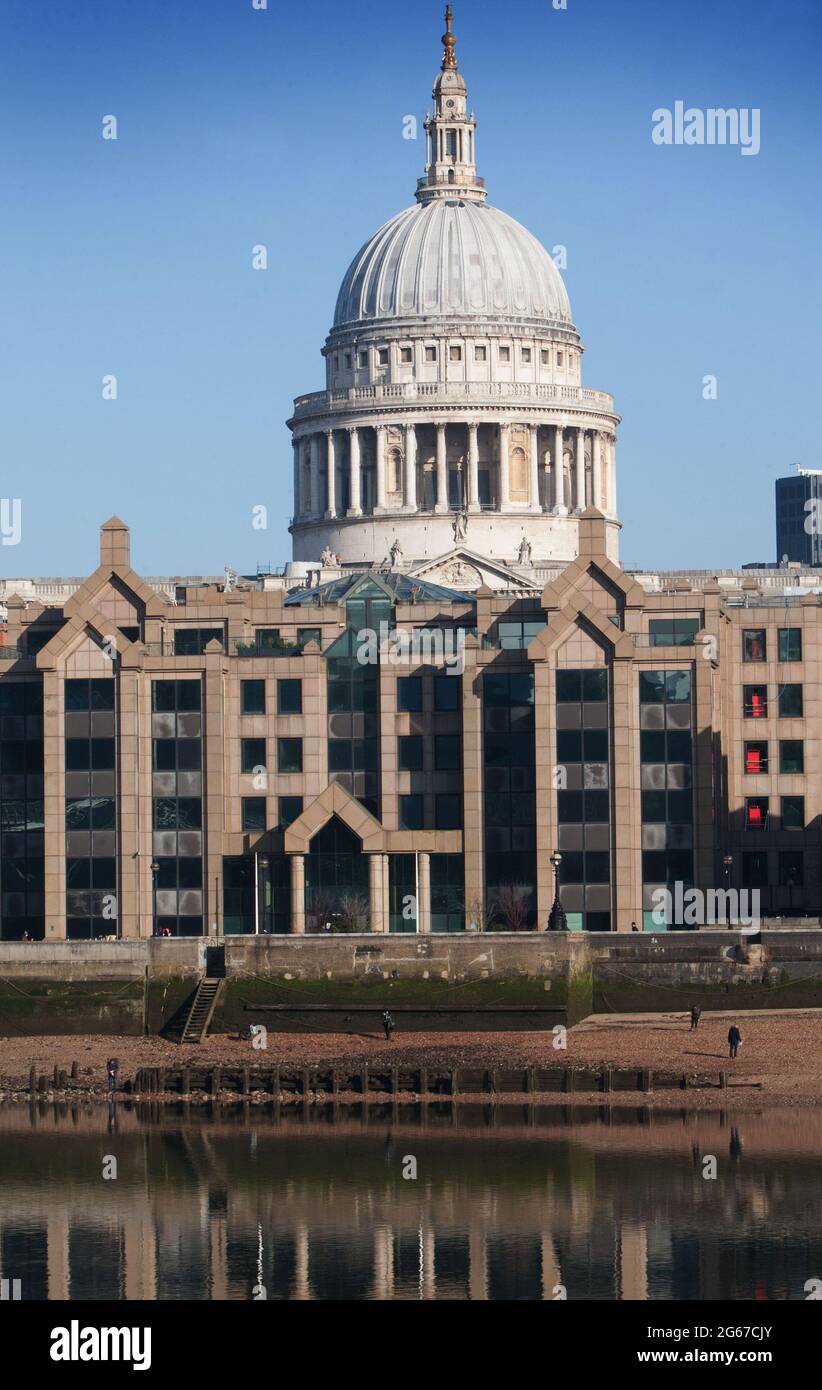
[{"x": 450, "y": 167}]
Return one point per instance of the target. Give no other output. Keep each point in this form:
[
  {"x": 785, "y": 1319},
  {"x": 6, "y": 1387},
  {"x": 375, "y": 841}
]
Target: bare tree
[
  {"x": 477, "y": 914},
  {"x": 510, "y": 908},
  {"x": 354, "y": 912}
]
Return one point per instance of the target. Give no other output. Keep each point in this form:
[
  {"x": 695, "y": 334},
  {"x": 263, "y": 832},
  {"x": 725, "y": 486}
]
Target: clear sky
[{"x": 284, "y": 127}]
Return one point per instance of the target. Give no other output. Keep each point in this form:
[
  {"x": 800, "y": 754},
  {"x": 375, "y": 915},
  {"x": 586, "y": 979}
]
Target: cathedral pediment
[{"x": 462, "y": 569}]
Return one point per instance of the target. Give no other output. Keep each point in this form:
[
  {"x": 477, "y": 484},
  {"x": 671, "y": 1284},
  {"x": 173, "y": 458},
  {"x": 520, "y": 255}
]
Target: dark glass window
[
  {"x": 790, "y": 644},
  {"x": 289, "y": 697},
  {"x": 754, "y": 644},
  {"x": 192, "y": 641},
  {"x": 447, "y": 812},
  {"x": 793, "y": 813},
  {"x": 515, "y": 636},
  {"x": 411, "y": 812},
  {"x": 253, "y": 812},
  {"x": 755, "y": 869},
  {"x": 289, "y": 808},
  {"x": 410, "y": 753},
  {"x": 309, "y": 634},
  {"x": 510, "y": 812},
  {"x": 252, "y": 754},
  {"x": 252, "y": 697},
  {"x": 790, "y": 702},
  {"x": 182, "y": 696},
  {"x": 447, "y": 892},
  {"x": 409, "y": 694},
  {"x": 402, "y": 893},
  {"x": 447, "y": 692},
  {"x": 791, "y": 755},
  {"x": 95, "y": 694},
  {"x": 289, "y": 755},
  {"x": 239, "y": 916},
  {"x": 447, "y": 752},
  {"x": 672, "y": 632},
  {"x": 791, "y": 868}
]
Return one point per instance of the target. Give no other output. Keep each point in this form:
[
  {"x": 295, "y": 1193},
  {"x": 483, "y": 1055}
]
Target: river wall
[{"x": 491, "y": 981}]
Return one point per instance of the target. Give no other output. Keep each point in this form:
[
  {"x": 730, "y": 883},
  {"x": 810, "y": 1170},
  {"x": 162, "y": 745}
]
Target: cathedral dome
[{"x": 452, "y": 258}]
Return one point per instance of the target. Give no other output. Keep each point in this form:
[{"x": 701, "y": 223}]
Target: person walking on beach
[
  {"x": 388, "y": 1024},
  {"x": 112, "y": 1068},
  {"x": 696, "y": 1014},
  {"x": 734, "y": 1040}
]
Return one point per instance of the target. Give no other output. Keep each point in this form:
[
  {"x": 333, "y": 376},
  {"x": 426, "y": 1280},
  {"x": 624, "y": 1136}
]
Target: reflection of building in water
[{"x": 212, "y": 1212}]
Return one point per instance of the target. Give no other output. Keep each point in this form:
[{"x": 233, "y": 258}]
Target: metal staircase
[{"x": 202, "y": 1010}]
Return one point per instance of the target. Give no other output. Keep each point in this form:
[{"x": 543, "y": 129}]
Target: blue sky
[{"x": 284, "y": 127}]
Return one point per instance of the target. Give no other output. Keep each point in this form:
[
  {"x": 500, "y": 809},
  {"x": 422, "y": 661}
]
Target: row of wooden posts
[
  {"x": 335, "y": 1081},
  {"x": 383, "y": 1080}
]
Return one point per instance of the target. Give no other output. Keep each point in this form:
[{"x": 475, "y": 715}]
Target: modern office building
[
  {"x": 799, "y": 517},
  {"x": 454, "y": 691},
  {"x": 380, "y": 752}
]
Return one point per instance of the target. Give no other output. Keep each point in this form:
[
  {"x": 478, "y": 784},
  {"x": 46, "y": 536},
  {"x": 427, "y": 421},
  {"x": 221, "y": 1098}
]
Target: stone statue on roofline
[
  {"x": 460, "y": 526},
  {"x": 395, "y": 554},
  {"x": 328, "y": 557},
  {"x": 524, "y": 552}
]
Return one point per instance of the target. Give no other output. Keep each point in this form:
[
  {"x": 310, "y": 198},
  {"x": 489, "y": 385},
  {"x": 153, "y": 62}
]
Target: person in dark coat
[
  {"x": 734, "y": 1039},
  {"x": 112, "y": 1068},
  {"x": 388, "y": 1024},
  {"x": 696, "y": 1014}
]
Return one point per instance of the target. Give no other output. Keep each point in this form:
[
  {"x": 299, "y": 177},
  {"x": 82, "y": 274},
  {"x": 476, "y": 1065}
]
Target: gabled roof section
[
  {"x": 562, "y": 622},
  {"x": 74, "y": 632},
  {"x": 334, "y": 801},
  {"x": 559, "y": 591}
]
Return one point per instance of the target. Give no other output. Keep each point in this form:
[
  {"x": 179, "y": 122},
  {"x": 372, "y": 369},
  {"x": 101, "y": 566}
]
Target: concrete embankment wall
[{"x": 474, "y": 981}]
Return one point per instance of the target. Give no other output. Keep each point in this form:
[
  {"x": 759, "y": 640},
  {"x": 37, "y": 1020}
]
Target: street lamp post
[
  {"x": 155, "y": 869},
  {"x": 557, "y": 920},
  {"x": 727, "y": 864}
]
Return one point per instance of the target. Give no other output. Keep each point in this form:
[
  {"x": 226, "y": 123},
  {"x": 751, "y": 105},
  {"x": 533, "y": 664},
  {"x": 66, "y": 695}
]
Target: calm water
[{"x": 512, "y": 1204}]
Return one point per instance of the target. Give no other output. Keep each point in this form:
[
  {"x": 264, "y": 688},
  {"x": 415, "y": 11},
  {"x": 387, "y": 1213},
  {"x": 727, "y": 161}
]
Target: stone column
[
  {"x": 298, "y": 894},
  {"x": 355, "y": 505},
  {"x": 596, "y": 470},
  {"x": 534, "y": 434},
  {"x": 376, "y": 871},
  {"x": 504, "y": 487},
  {"x": 442, "y": 471},
  {"x": 424, "y": 893},
  {"x": 380, "y": 502},
  {"x": 410, "y": 468},
  {"x": 295, "y": 444},
  {"x": 331, "y": 466},
  {"x": 559, "y": 470},
  {"x": 314, "y": 446},
  {"x": 473, "y": 467},
  {"x": 580, "y": 471},
  {"x": 612, "y": 484}
]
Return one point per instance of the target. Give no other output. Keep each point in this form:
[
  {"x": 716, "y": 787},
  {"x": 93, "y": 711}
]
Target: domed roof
[{"x": 449, "y": 258}]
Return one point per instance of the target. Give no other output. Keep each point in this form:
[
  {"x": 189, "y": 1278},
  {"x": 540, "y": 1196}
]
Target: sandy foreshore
[{"x": 780, "y": 1060}]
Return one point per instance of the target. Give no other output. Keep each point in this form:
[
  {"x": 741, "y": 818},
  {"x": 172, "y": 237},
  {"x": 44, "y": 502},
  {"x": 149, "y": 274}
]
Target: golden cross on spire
[{"x": 449, "y": 40}]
